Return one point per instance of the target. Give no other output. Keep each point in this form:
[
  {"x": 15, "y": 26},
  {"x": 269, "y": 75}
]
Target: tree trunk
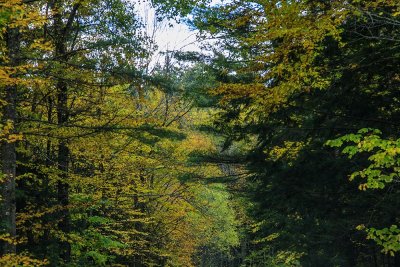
[
  {"x": 8, "y": 154},
  {"x": 62, "y": 162},
  {"x": 63, "y": 199},
  {"x": 62, "y": 119}
]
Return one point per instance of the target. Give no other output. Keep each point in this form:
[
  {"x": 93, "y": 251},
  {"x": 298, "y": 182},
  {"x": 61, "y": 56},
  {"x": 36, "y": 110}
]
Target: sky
[
  {"x": 169, "y": 35},
  {"x": 177, "y": 37}
]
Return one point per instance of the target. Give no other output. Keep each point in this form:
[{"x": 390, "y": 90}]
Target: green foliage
[
  {"x": 383, "y": 170},
  {"x": 104, "y": 146},
  {"x": 292, "y": 76},
  {"x": 222, "y": 234},
  {"x": 225, "y": 158},
  {"x": 384, "y": 160},
  {"x": 388, "y": 238}
]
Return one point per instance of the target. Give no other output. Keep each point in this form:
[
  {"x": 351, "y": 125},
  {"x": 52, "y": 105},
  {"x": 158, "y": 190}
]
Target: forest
[{"x": 275, "y": 144}]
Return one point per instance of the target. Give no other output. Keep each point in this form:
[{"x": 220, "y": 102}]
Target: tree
[
  {"x": 295, "y": 74},
  {"x": 12, "y": 71}
]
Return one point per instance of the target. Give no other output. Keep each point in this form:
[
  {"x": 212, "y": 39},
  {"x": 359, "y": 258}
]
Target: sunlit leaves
[
  {"x": 383, "y": 170},
  {"x": 388, "y": 238},
  {"x": 385, "y": 161}
]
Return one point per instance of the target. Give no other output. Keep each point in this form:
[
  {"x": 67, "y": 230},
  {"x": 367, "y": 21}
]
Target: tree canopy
[{"x": 276, "y": 144}]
